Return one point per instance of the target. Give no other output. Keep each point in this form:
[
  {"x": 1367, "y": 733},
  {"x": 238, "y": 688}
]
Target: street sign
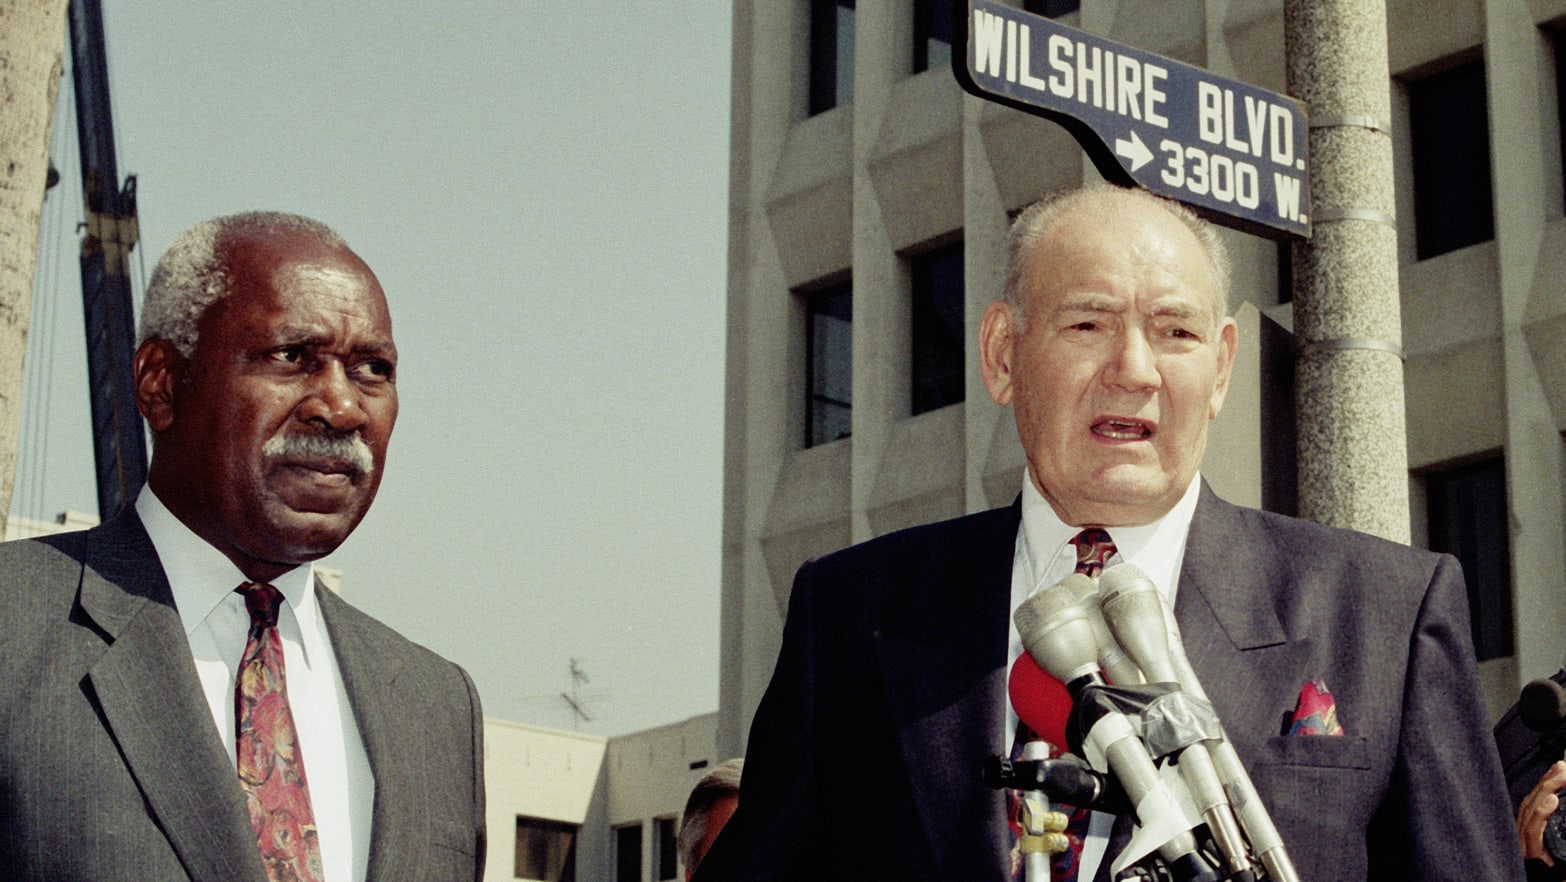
[{"x": 1235, "y": 152}]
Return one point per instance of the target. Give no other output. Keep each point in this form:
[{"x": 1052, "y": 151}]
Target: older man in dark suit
[
  {"x": 180, "y": 698},
  {"x": 1339, "y": 664}
]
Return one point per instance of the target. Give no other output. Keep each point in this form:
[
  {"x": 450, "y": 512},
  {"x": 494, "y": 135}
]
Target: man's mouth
[
  {"x": 327, "y": 470},
  {"x": 1118, "y": 429}
]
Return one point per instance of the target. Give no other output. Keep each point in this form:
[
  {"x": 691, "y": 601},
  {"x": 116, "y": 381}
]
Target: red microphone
[{"x": 1039, "y": 699}]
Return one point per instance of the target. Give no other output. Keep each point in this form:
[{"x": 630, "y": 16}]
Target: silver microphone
[
  {"x": 1058, "y": 634},
  {"x": 1141, "y": 621}
]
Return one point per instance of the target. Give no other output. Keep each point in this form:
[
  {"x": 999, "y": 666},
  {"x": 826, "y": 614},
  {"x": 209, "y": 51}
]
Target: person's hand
[{"x": 1536, "y": 809}]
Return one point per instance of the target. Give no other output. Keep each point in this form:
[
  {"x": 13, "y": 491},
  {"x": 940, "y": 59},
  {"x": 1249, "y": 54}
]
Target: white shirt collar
[
  {"x": 201, "y": 577},
  {"x": 1157, "y": 548}
]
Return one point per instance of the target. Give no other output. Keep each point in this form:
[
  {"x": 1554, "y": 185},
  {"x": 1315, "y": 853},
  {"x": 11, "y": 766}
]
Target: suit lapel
[
  {"x": 1226, "y": 611},
  {"x": 942, "y": 654},
  {"x": 147, "y": 687},
  {"x": 369, "y": 677}
]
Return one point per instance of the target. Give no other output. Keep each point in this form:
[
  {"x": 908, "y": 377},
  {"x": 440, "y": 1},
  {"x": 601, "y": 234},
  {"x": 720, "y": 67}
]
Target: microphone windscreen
[
  {"x": 1040, "y": 700},
  {"x": 1542, "y": 705}
]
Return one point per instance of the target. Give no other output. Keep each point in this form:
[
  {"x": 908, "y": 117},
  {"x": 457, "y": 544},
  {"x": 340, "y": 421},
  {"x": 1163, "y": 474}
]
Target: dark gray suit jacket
[
  {"x": 864, "y": 756},
  {"x": 110, "y": 767}
]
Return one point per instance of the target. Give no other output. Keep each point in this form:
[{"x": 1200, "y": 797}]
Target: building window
[
  {"x": 937, "y": 327},
  {"x": 1051, "y": 8},
  {"x": 932, "y": 34},
  {"x": 1468, "y": 520},
  {"x": 1448, "y": 128},
  {"x": 546, "y": 850},
  {"x": 1558, "y": 39},
  {"x": 1286, "y": 271},
  {"x": 829, "y": 380},
  {"x": 666, "y": 854},
  {"x": 831, "y": 54},
  {"x": 628, "y": 853}
]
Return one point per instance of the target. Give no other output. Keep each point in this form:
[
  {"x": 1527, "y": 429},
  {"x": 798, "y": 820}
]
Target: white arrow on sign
[{"x": 1134, "y": 150}]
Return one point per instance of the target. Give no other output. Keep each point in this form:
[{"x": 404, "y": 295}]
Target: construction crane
[{"x": 110, "y": 232}]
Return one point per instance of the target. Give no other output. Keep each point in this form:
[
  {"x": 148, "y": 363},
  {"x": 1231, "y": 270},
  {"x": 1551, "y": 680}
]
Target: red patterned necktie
[{"x": 271, "y": 768}]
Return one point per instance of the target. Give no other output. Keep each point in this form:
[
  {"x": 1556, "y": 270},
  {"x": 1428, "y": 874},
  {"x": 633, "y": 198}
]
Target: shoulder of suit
[
  {"x": 918, "y": 544},
  {"x": 1320, "y": 541},
  {"x": 342, "y": 614},
  {"x": 49, "y": 565}
]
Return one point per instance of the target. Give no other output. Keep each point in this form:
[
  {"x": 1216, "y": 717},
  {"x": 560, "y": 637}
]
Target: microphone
[
  {"x": 1057, "y": 634},
  {"x": 1542, "y": 705},
  {"x": 1041, "y": 701},
  {"x": 1118, "y": 668},
  {"x": 1141, "y": 621}
]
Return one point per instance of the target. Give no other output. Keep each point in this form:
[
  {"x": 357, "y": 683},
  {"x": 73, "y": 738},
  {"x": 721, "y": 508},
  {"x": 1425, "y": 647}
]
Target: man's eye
[
  {"x": 289, "y": 354},
  {"x": 376, "y": 369}
]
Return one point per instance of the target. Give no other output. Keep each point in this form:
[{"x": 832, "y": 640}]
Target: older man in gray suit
[{"x": 179, "y": 697}]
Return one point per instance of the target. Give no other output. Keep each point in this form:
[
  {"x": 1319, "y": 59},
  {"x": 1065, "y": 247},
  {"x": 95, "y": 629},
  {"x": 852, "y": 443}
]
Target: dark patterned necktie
[
  {"x": 1094, "y": 548},
  {"x": 271, "y": 768}
]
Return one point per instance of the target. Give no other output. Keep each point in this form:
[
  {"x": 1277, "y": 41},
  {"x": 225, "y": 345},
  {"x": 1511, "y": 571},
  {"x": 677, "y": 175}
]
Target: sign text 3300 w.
[{"x": 1203, "y": 173}]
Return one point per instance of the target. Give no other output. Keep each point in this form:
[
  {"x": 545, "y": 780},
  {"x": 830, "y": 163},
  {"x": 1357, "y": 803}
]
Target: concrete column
[
  {"x": 1353, "y": 456},
  {"x": 880, "y": 298}
]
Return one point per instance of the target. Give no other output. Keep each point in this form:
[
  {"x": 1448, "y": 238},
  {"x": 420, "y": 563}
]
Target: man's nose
[
  {"x": 334, "y": 400},
  {"x": 1133, "y": 365}
]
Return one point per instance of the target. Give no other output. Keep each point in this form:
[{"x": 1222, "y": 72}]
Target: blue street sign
[{"x": 1233, "y": 151}]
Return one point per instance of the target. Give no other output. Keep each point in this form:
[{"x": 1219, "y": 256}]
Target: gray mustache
[{"x": 345, "y": 448}]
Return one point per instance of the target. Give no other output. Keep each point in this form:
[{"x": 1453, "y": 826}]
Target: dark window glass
[
  {"x": 1451, "y": 145},
  {"x": 932, "y": 34},
  {"x": 829, "y": 381},
  {"x": 545, "y": 850},
  {"x": 937, "y": 328},
  {"x": 1559, "y": 39},
  {"x": 1468, "y": 520},
  {"x": 1051, "y": 8},
  {"x": 1285, "y": 272},
  {"x": 831, "y": 54},
  {"x": 628, "y": 853},
  {"x": 667, "y": 857}
]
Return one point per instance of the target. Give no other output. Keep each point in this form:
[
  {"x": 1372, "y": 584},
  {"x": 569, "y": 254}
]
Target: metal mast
[{"x": 119, "y": 443}]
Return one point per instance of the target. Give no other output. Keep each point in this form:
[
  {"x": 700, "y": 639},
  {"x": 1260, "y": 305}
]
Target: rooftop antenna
[{"x": 574, "y": 698}]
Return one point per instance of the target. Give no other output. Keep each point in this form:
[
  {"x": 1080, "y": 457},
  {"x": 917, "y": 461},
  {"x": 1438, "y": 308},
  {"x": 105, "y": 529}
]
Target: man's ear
[
  {"x": 1228, "y": 346},
  {"x": 997, "y": 347},
  {"x": 157, "y": 368}
]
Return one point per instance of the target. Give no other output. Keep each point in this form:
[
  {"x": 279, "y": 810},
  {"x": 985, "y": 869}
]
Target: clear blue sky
[{"x": 541, "y": 187}]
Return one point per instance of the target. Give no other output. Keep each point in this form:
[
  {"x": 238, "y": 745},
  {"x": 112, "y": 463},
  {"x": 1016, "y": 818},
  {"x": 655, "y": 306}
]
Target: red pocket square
[{"x": 1316, "y": 713}]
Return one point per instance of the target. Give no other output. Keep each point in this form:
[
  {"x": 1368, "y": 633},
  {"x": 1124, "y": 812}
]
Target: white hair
[
  {"x": 191, "y": 275},
  {"x": 1037, "y": 219}
]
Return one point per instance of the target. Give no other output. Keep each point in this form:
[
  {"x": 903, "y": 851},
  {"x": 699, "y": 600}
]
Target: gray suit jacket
[
  {"x": 110, "y": 767},
  {"x": 864, "y": 756}
]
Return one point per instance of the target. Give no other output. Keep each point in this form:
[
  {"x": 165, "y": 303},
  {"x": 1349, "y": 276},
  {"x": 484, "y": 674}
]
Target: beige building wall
[
  {"x": 650, "y": 775},
  {"x": 599, "y": 784},
  {"x": 64, "y": 522},
  {"x": 534, "y": 772},
  {"x": 914, "y": 161}
]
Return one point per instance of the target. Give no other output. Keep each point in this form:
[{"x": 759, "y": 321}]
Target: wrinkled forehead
[
  {"x": 1122, "y": 238},
  {"x": 284, "y": 267}
]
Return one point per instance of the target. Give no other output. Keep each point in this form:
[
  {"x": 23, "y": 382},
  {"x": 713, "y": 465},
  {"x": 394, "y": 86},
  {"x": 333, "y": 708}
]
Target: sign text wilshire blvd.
[{"x": 1217, "y": 144}]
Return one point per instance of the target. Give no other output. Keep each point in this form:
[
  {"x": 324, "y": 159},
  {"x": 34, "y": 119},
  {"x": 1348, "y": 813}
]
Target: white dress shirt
[
  {"x": 1044, "y": 556},
  {"x": 203, "y": 579}
]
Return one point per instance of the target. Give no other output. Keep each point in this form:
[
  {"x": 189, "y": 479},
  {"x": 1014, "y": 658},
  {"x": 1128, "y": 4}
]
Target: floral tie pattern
[{"x": 271, "y": 769}]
